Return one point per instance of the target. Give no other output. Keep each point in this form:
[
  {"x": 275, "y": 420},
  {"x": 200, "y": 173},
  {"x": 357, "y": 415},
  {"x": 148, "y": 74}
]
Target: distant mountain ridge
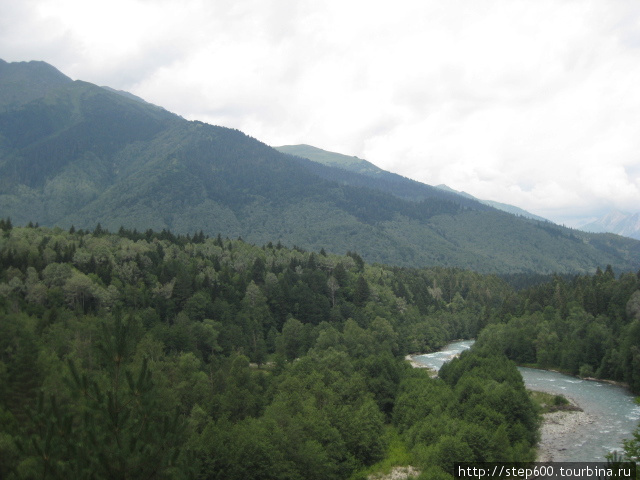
[
  {"x": 73, "y": 153},
  {"x": 500, "y": 206},
  {"x": 620, "y": 223},
  {"x": 405, "y": 187},
  {"x": 331, "y": 159},
  {"x": 358, "y": 172}
]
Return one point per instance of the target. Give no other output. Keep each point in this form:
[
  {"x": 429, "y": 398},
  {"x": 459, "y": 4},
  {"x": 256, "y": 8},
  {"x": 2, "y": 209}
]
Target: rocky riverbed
[
  {"x": 557, "y": 432},
  {"x": 397, "y": 473}
]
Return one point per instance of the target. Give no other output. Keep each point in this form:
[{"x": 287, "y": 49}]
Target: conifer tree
[{"x": 113, "y": 428}]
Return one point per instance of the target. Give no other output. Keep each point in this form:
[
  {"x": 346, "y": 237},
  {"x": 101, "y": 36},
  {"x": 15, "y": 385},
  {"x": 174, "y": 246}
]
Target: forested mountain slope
[
  {"x": 356, "y": 171},
  {"x": 361, "y": 173},
  {"x": 332, "y": 159},
  {"x": 72, "y": 153}
]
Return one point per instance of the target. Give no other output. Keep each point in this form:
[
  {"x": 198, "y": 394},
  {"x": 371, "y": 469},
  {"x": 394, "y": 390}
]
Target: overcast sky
[{"x": 535, "y": 103}]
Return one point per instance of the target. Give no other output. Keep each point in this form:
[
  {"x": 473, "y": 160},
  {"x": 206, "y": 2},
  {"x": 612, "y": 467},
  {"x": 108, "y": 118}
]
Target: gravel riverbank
[
  {"x": 557, "y": 433},
  {"x": 397, "y": 473},
  {"x": 415, "y": 364}
]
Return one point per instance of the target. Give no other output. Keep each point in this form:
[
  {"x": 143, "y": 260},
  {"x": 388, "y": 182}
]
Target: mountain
[
  {"x": 505, "y": 207},
  {"x": 73, "y": 153},
  {"x": 390, "y": 182},
  {"x": 357, "y": 172},
  {"x": 23, "y": 82},
  {"x": 332, "y": 159},
  {"x": 626, "y": 224}
]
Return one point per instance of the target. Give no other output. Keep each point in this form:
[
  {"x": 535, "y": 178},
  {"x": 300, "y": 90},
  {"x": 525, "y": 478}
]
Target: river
[{"x": 610, "y": 413}]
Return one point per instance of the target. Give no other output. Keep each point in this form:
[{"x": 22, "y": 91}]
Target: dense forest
[
  {"x": 150, "y": 355},
  {"x": 586, "y": 325}
]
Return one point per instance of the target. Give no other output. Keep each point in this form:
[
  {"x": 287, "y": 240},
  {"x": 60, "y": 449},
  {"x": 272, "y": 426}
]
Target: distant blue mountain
[{"x": 621, "y": 223}]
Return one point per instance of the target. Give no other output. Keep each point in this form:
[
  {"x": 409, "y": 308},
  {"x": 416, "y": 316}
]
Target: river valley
[{"x": 609, "y": 415}]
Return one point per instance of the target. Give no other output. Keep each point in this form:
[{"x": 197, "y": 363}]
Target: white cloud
[{"x": 530, "y": 103}]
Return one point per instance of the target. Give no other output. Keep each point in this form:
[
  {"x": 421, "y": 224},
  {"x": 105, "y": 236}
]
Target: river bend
[{"x": 611, "y": 412}]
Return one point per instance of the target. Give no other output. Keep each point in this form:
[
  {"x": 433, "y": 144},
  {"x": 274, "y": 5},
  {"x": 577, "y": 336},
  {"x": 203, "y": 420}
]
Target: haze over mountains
[
  {"x": 622, "y": 223},
  {"x": 73, "y": 153}
]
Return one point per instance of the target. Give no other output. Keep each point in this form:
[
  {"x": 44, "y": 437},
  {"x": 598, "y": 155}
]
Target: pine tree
[
  {"x": 362, "y": 291},
  {"x": 119, "y": 429}
]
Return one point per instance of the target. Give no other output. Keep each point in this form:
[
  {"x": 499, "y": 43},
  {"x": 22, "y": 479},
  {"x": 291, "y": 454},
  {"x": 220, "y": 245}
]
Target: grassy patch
[
  {"x": 397, "y": 455},
  {"x": 548, "y": 402}
]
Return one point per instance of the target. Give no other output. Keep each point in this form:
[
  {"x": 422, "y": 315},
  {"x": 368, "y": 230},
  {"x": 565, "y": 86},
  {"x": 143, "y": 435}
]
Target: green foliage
[
  {"x": 112, "y": 425},
  {"x": 478, "y": 410},
  {"x": 396, "y": 454},
  {"x": 548, "y": 402},
  {"x": 587, "y": 326},
  {"x": 169, "y": 356}
]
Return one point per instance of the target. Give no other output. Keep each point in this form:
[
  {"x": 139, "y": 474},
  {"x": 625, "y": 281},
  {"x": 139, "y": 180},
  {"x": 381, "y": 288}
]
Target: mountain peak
[
  {"x": 331, "y": 159},
  {"x": 447, "y": 188},
  {"x": 23, "y": 82}
]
